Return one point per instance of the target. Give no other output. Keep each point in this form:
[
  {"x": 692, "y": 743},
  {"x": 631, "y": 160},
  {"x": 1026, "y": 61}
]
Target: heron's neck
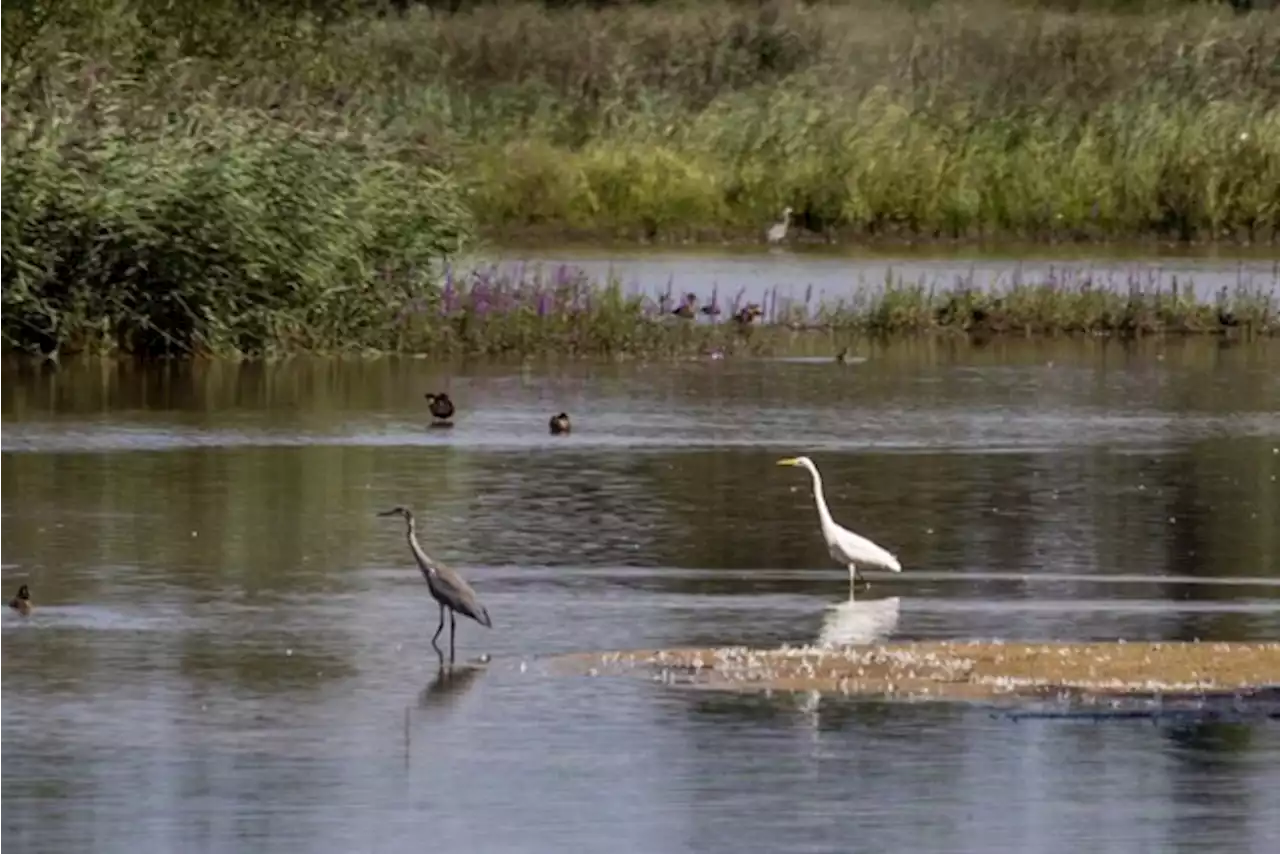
[
  {"x": 821, "y": 500},
  {"x": 424, "y": 562}
]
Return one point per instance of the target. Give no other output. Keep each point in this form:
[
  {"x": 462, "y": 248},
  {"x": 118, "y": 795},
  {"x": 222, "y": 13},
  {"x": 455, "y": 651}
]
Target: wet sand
[{"x": 971, "y": 671}]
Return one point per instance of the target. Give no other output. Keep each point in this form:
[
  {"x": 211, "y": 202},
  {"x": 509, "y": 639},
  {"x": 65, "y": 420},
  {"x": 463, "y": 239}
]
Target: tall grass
[{"x": 985, "y": 118}]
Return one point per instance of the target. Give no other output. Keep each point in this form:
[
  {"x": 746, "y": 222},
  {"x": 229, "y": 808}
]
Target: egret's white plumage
[
  {"x": 846, "y": 547},
  {"x": 778, "y": 231}
]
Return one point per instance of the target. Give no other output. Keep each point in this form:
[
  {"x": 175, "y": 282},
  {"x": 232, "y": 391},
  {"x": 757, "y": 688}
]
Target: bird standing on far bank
[
  {"x": 844, "y": 545},
  {"x": 22, "y": 602},
  {"x": 688, "y": 308},
  {"x": 559, "y": 424},
  {"x": 447, "y": 587},
  {"x": 748, "y": 314},
  {"x": 441, "y": 408},
  {"x": 778, "y": 231}
]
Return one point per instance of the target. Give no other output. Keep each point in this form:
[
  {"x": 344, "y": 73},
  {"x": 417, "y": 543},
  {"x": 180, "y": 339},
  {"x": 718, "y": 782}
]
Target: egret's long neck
[{"x": 821, "y": 500}]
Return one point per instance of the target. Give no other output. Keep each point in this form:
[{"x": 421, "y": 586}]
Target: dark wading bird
[
  {"x": 447, "y": 587},
  {"x": 441, "y": 408},
  {"x": 559, "y": 424},
  {"x": 22, "y": 602}
]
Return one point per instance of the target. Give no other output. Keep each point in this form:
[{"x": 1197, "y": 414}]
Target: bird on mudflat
[{"x": 447, "y": 587}]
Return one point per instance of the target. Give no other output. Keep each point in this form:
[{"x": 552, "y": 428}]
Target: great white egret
[
  {"x": 778, "y": 231},
  {"x": 844, "y": 545}
]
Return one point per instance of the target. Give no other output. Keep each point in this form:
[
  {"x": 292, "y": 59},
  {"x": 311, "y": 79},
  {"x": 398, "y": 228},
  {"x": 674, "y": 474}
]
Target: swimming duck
[
  {"x": 441, "y": 408},
  {"x": 559, "y": 424},
  {"x": 22, "y": 602}
]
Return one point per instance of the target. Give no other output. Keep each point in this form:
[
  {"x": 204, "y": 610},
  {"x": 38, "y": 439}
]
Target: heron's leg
[
  {"x": 453, "y": 630},
  {"x": 439, "y": 628}
]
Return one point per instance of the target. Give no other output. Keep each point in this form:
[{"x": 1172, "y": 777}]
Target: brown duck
[{"x": 22, "y": 602}]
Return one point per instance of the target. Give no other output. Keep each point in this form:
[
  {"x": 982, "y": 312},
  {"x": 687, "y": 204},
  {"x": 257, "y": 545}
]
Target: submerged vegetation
[{"x": 268, "y": 177}]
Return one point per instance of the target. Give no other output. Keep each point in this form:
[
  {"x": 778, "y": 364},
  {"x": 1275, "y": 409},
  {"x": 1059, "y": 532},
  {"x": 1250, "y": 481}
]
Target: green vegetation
[
  {"x": 233, "y": 177},
  {"x": 501, "y": 314}
]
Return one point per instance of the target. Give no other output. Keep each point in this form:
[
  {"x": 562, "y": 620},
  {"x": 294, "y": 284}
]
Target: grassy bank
[
  {"x": 273, "y": 177},
  {"x": 675, "y": 120},
  {"x": 522, "y": 312}
]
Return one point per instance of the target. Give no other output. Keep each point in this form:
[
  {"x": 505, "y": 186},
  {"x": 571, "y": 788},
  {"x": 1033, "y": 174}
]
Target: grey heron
[
  {"x": 447, "y": 587},
  {"x": 559, "y": 424},
  {"x": 778, "y": 231},
  {"x": 846, "y": 547}
]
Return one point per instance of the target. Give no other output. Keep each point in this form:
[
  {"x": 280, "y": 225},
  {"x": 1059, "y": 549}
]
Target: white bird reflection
[
  {"x": 852, "y": 623},
  {"x": 860, "y": 621}
]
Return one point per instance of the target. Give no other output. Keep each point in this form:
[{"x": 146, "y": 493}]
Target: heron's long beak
[
  {"x": 789, "y": 461},
  {"x": 393, "y": 512}
]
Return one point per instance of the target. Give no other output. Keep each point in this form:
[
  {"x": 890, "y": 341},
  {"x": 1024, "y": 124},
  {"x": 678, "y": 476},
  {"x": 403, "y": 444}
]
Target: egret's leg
[
  {"x": 855, "y": 576},
  {"x": 439, "y": 628}
]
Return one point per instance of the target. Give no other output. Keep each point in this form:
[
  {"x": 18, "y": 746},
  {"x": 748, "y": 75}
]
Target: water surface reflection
[{"x": 230, "y": 652}]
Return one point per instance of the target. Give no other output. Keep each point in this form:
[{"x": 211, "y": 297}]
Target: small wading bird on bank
[
  {"x": 778, "y": 231},
  {"x": 22, "y": 602},
  {"x": 446, "y": 586},
  {"x": 441, "y": 408},
  {"x": 844, "y": 545}
]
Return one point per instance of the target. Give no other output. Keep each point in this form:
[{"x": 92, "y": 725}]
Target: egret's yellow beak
[{"x": 789, "y": 461}]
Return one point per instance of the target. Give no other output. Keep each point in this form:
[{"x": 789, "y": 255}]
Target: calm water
[{"x": 231, "y": 653}]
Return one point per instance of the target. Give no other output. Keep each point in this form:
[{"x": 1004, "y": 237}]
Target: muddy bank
[{"x": 973, "y": 671}]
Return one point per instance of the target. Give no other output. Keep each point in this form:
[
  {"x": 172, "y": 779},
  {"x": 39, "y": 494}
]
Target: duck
[
  {"x": 22, "y": 602},
  {"x": 748, "y": 314},
  {"x": 559, "y": 424},
  {"x": 689, "y": 307},
  {"x": 441, "y": 408}
]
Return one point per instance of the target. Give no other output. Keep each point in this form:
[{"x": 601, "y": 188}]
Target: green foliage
[
  {"x": 240, "y": 177},
  {"x": 212, "y": 232}
]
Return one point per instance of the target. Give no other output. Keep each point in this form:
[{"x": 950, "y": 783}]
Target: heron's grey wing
[{"x": 457, "y": 593}]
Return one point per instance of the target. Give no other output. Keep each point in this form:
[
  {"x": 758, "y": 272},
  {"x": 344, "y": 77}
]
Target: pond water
[
  {"x": 830, "y": 274},
  {"x": 230, "y": 652}
]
